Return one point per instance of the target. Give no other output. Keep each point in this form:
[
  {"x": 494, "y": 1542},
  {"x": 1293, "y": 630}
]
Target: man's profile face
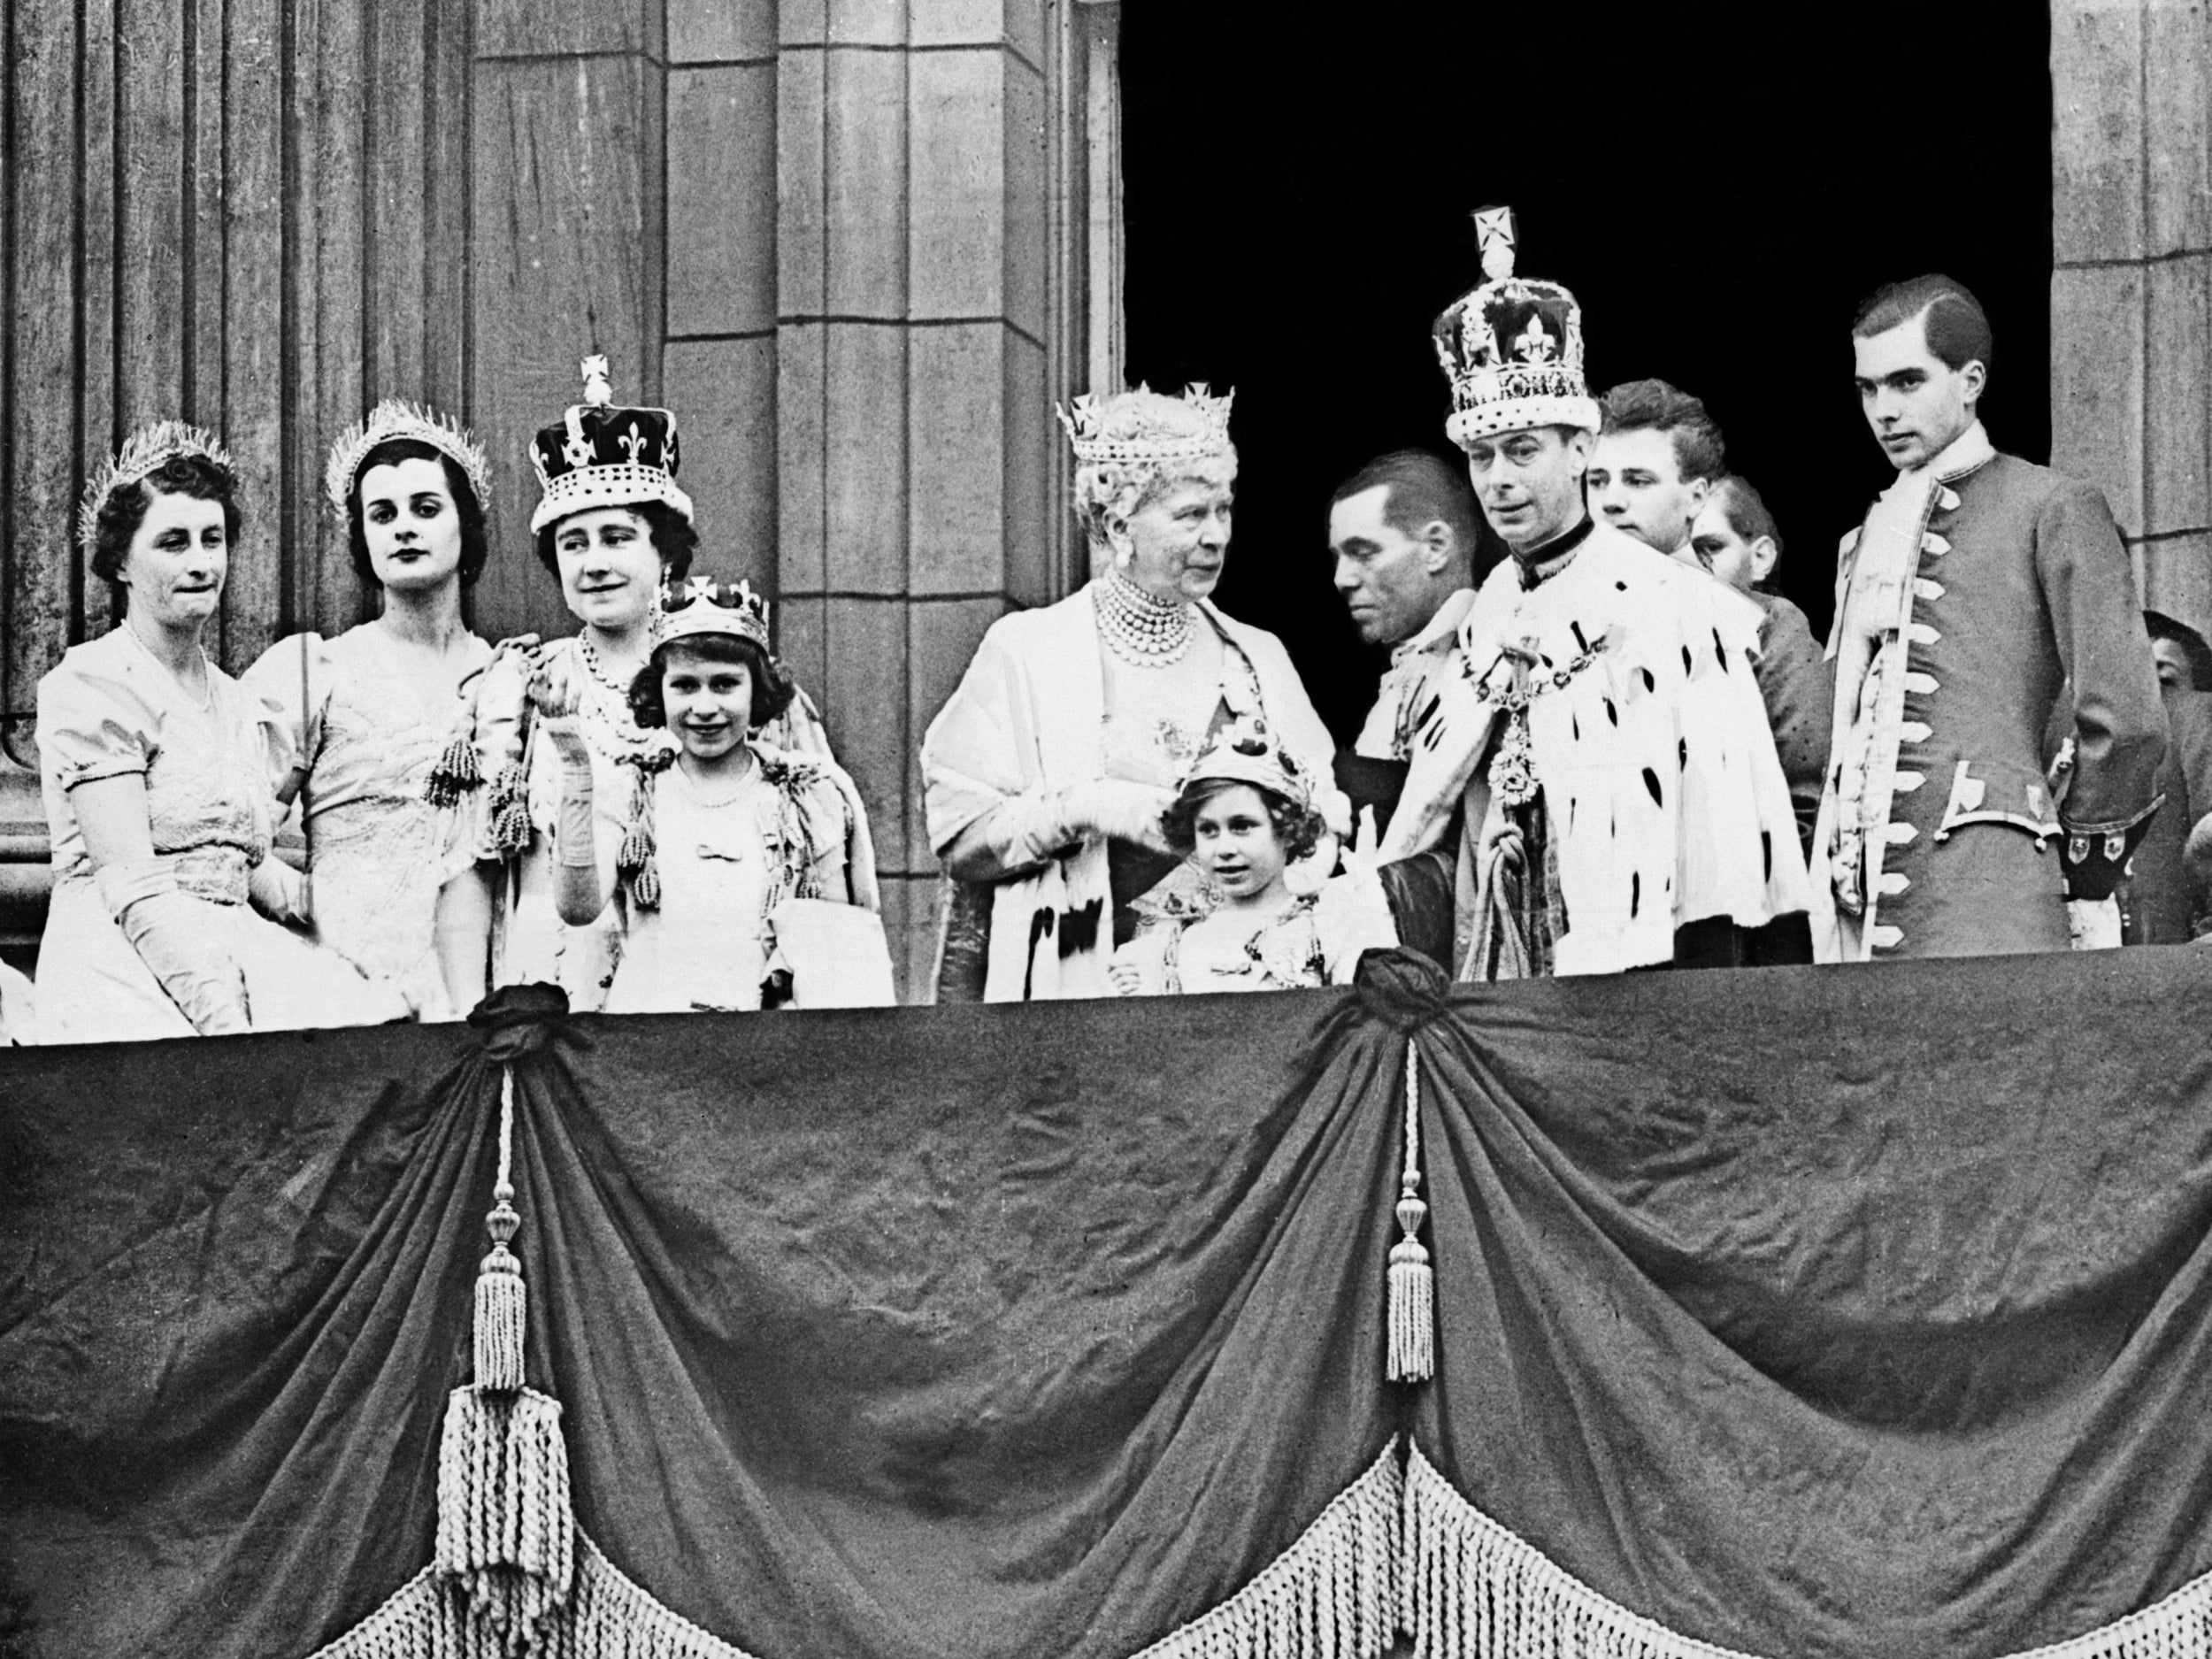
[
  {"x": 1390, "y": 580},
  {"x": 1915, "y": 402},
  {"x": 1636, "y": 484},
  {"x": 1717, "y": 545},
  {"x": 1530, "y": 483}
]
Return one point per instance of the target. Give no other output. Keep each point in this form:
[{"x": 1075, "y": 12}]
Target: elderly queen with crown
[
  {"x": 1600, "y": 750},
  {"x": 1047, "y": 771}
]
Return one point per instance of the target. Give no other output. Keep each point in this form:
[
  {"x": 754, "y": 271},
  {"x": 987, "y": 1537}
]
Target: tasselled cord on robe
[{"x": 1412, "y": 1303}]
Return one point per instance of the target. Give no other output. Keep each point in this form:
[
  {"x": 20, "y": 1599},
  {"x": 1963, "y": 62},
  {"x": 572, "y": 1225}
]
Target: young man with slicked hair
[{"x": 1977, "y": 586}]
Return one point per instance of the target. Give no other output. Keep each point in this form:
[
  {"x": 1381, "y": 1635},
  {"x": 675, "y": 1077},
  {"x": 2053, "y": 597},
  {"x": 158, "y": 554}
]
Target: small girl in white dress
[
  {"x": 1244, "y": 814},
  {"x": 724, "y": 830}
]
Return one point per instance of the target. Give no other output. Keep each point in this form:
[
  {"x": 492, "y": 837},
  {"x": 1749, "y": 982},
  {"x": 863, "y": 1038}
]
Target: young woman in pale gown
[
  {"x": 167, "y": 906},
  {"x": 392, "y": 862}
]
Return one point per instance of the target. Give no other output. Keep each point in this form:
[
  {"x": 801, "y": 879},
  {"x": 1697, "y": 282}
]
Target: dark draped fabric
[{"x": 1847, "y": 1311}]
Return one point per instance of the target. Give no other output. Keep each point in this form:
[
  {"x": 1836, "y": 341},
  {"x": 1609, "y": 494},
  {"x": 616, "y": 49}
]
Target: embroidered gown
[
  {"x": 725, "y": 858},
  {"x": 111, "y": 709},
  {"x": 380, "y": 852}
]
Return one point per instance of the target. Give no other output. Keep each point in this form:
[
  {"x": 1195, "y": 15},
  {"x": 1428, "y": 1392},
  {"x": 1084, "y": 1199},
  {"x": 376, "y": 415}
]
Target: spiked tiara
[
  {"x": 145, "y": 452},
  {"x": 601, "y": 455},
  {"x": 393, "y": 419},
  {"x": 1148, "y": 427}
]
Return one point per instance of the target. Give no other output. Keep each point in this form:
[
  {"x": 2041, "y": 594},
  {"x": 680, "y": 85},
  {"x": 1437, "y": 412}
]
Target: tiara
[
  {"x": 1245, "y": 752},
  {"x": 394, "y": 419},
  {"x": 146, "y": 451},
  {"x": 702, "y": 605},
  {"x": 1148, "y": 425}
]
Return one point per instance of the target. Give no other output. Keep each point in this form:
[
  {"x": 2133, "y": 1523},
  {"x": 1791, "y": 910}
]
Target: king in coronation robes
[{"x": 1600, "y": 750}]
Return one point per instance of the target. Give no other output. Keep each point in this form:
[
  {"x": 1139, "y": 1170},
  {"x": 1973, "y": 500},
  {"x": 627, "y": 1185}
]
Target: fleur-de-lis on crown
[
  {"x": 1534, "y": 342},
  {"x": 632, "y": 441}
]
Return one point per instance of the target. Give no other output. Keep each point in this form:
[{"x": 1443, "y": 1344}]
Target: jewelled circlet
[{"x": 1142, "y": 631}]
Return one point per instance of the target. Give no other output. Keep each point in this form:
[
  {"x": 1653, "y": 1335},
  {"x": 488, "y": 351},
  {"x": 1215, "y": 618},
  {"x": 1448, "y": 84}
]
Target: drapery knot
[
  {"x": 1402, "y": 988},
  {"x": 518, "y": 1019}
]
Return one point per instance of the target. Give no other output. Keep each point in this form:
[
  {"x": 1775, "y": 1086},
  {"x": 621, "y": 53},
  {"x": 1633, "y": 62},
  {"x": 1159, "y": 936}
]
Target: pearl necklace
[
  {"x": 1142, "y": 631},
  {"x": 710, "y": 803}
]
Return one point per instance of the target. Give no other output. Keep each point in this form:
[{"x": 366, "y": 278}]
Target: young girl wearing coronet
[
  {"x": 1243, "y": 816},
  {"x": 723, "y": 832}
]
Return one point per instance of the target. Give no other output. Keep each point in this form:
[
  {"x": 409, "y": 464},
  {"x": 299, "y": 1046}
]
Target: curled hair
[
  {"x": 1297, "y": 827},
  {"x": 674, "y": 536},
  {"x": 773, "y": 689},
  {"x": 1106, "y": 491},
  {"x": 124, "y": 509},
  {"x": 475, "y": 544},
  {"x": 1654, "y": 406},
  {"x": 1956, "y": 327}
]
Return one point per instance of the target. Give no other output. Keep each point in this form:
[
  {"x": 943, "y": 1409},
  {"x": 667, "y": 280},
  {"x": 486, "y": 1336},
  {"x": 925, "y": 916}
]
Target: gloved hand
[
  {"x": 280, "y": 892},
  {"x": 574, "y": 839},
  {"x": 1031, "y": 828},
  {"x": 553, "y": 686},
  {"x": 169, "y": 929}
]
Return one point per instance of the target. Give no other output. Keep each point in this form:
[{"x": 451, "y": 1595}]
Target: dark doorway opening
[{"x": 1718, "y": 189}]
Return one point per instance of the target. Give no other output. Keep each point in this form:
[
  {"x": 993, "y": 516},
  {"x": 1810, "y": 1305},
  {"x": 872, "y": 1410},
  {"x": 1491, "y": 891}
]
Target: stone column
[
  {"x": 924, "y": 329},
  {"x": 2132, "y": 283},
  {"x": 567, "y": 232}
]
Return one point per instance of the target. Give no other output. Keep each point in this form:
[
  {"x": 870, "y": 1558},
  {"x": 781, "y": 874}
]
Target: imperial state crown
[{"x": 1512, "y": 348}]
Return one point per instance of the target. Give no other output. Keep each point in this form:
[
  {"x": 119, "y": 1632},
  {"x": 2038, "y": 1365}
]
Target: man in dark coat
[{"x": 1977, "y": 585}]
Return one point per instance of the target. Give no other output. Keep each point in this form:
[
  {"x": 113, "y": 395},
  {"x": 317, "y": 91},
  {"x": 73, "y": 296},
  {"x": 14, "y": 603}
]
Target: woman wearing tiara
[
  {"x": 1047, "y": 771},
  {"x": 613, "y": 526},
  {"x": 395, "y": 886},
  {"x": 721, "y": 834},
  {"x": 155, "y": 770}
]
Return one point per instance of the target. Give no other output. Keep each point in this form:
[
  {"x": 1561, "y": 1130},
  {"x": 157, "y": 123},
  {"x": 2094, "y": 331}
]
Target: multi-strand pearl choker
[{"x": 1142, "y": 631}]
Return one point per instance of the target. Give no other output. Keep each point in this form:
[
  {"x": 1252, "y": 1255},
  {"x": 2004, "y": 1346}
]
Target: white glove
[
  {"x": 279, "y": 892},
  {"x": 574, "y": 836},
  {"x": 552, "y": 686},
  {"x": 1030, "y": 829},
  {"x": 1124, "y": 810},
  {"x": 169, "y": 929}
]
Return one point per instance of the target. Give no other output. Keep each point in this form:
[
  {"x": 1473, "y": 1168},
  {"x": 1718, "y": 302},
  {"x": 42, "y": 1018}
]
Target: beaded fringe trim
[
  {"x": 1330, "y": 1596},
  {"x": 1473, "y": 1590},
  {"x": 608, "y": 1618}
]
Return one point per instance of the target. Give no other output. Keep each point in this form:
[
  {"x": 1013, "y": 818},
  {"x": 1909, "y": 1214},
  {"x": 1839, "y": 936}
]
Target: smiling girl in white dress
[
  {"x": 721, "y": 830},
  {"x": 1244, "y": 814}
]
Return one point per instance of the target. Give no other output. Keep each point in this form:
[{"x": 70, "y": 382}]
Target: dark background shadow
[{"x": 1719, "y": 188}]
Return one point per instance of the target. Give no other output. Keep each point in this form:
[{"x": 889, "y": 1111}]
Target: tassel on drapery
[
  {"x": 512, "y": 1576},
  {"x": 1412, "y": 1306},
  {"x": 506, "y": 1535}
]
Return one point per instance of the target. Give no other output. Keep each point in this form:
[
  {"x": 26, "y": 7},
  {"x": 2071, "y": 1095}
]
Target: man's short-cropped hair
[
  {"x": 1655, "y": 406},
  {"x": 1422, "y": 489},
  {"x": 1957, "y": 328}
]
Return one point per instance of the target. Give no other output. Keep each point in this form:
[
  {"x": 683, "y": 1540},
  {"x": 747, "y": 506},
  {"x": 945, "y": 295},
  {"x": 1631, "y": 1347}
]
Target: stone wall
[{"x": 2132, "y": 283}]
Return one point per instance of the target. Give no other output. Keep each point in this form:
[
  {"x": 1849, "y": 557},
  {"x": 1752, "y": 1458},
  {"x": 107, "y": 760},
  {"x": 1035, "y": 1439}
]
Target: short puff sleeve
[{"x": 95, "y": 720}]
